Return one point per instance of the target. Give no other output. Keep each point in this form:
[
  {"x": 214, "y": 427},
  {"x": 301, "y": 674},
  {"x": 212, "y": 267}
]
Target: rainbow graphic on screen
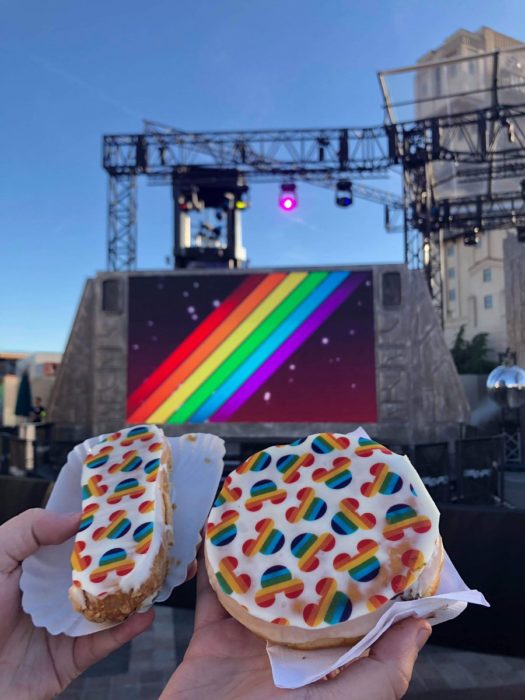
[{"x": 247, "y": 336}]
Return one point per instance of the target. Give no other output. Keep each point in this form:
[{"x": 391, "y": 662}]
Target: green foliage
[{"x": 470, "y": 356}]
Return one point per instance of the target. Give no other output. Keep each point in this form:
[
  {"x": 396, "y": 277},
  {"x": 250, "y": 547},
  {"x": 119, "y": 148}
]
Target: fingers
[
  {"x": 88, "y": 650},
  {"x": 397, "y": 650},
  {"x": 23, "y": 535},
  {"x": 208, "y": 609},
  {"x": 386, "y": 672}
]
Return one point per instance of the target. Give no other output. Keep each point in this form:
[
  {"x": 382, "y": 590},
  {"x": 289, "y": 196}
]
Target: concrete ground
[{"x": 140, "y": 670}]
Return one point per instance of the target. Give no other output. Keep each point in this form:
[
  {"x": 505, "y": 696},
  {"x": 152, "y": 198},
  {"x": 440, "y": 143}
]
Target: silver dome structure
[{"x": 506, "y": 384}]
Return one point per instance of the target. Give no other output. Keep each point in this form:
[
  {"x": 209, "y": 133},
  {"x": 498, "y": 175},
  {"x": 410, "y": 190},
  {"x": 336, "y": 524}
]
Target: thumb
[
  {"x": 23, "y": 535},
  {"x": 94, "y": 647},
  {"x": 397, "y": 650}
]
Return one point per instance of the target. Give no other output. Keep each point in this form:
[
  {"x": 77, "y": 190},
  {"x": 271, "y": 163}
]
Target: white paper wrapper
[
  {"x": 293, "y": 668},
  {"x": 46, "y": 575}
]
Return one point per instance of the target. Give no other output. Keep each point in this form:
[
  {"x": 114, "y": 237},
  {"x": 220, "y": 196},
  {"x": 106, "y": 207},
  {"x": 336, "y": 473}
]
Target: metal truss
[
  {"x": 503, "y": 169},
  {"x": 122, "y": 222},
  {"x": 486, "y": 212},
  {"x": 313, "y": 154},
  {"x": 423, "y": 240},
  {"x": 512, "y": 446},
  {"x": 457, "y": 216},
  {"x": 324, "y": 154},
  {"x": 484, "y": 144},
  {"x": 493, "y": 134}
]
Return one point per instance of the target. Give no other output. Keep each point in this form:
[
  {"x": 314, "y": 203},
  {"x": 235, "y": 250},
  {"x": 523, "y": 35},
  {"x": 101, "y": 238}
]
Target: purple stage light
[
  {"x": 288, "y": 197},
  {"x": 287, "y": 203}
]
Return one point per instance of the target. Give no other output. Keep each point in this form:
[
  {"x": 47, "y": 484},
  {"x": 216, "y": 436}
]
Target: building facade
[{"x": 473, "y": 276}]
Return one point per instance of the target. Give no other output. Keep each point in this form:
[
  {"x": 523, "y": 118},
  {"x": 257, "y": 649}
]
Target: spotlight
[
  {"x": 228, "y": 201},
  {"x": 472, "y": 238},
  {"x": 288, "y": 196},
  {"x": 343, "y": 193},
  {"x": 509, "y": 126},
  {"x": 188, "y": 200},
  {"x": 242, "y": 202}
]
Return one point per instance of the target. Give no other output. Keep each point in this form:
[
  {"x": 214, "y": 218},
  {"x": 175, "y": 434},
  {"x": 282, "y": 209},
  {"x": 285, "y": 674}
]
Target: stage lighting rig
[
  {"x": 509, "y": 128},
  {"x": 343, "y": 193},
  {"x": 288, "y": 196},
  {"x": 188, "y": 200},
  {"x": 242, "y": 200},
  {"x": 472, "y": 238}
]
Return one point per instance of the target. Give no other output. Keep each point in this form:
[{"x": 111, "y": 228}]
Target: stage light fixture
[
  {"x": 472, "y": 238},
  {"x": 242, "y": 201},
  {"x": 189, "y": 200},
  {"x": 288, "y": 196},
  {"x": 509, "y": 127},
  {"x": 343, "y": 193}
]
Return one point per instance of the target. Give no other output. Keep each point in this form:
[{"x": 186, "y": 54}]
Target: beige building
[
  {"x": 41, "y": 368},
  {"x": 473, "y": 276}
]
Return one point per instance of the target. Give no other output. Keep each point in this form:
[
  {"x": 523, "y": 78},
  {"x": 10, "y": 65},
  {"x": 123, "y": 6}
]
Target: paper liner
[
  {"x": 293, "y": 668},
  {"x": 46, "y": 575}
]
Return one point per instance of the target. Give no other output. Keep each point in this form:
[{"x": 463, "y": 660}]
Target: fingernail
[{"x": 422, "y": 636}]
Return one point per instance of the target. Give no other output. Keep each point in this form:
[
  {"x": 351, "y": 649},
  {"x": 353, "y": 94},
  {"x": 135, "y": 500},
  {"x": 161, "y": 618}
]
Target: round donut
[{"x": 307, "y": 543}]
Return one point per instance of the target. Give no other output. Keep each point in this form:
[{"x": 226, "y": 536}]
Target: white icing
[
  {"x": 153, "y": 492},
  {"x": 388, "y": 554}
]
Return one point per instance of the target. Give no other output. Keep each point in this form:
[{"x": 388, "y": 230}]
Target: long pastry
[
  {"x": 120, "y": 555},
  {"x": 307, "y": 544}
]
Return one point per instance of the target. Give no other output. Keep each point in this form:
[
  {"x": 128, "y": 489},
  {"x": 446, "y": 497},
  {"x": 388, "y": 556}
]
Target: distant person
[{"x": 38, "y": 412}]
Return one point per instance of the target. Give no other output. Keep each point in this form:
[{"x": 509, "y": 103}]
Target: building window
[
  {"x": 487, "y": 274},
  {"x": 450, "y": 250},
  {"x": 452, "y": 295},
  {"x": 452, "y": 70},
  {"x": 451, "y": 273},
  {"x": 487, "y": 301},
  {"x": 472, "y": 66}
]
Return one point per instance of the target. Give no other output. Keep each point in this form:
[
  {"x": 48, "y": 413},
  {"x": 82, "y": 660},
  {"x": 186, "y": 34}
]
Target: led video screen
[{"x": 252, "y": 347}]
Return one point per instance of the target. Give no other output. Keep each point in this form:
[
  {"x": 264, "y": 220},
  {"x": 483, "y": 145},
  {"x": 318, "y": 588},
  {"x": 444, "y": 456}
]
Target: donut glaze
[
  {"x": 320, "y": 532},
  {"x": 123, "y": 523}
]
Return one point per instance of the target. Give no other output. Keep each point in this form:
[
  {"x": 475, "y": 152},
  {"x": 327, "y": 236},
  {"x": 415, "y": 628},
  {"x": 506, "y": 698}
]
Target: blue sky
[{"x": 72, "y": 71}]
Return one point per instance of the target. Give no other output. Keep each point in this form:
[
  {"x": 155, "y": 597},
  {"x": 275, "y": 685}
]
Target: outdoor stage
[{"x": 260, "y": 354}]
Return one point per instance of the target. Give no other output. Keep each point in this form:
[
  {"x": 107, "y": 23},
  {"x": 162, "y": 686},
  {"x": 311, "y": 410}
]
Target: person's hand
[
  {"x": 34, "y": 664},
  {"x": 225, "y": 660}
]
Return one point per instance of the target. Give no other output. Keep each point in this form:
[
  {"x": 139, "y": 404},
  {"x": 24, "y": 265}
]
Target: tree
[{"x": 470, "y": 356}]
